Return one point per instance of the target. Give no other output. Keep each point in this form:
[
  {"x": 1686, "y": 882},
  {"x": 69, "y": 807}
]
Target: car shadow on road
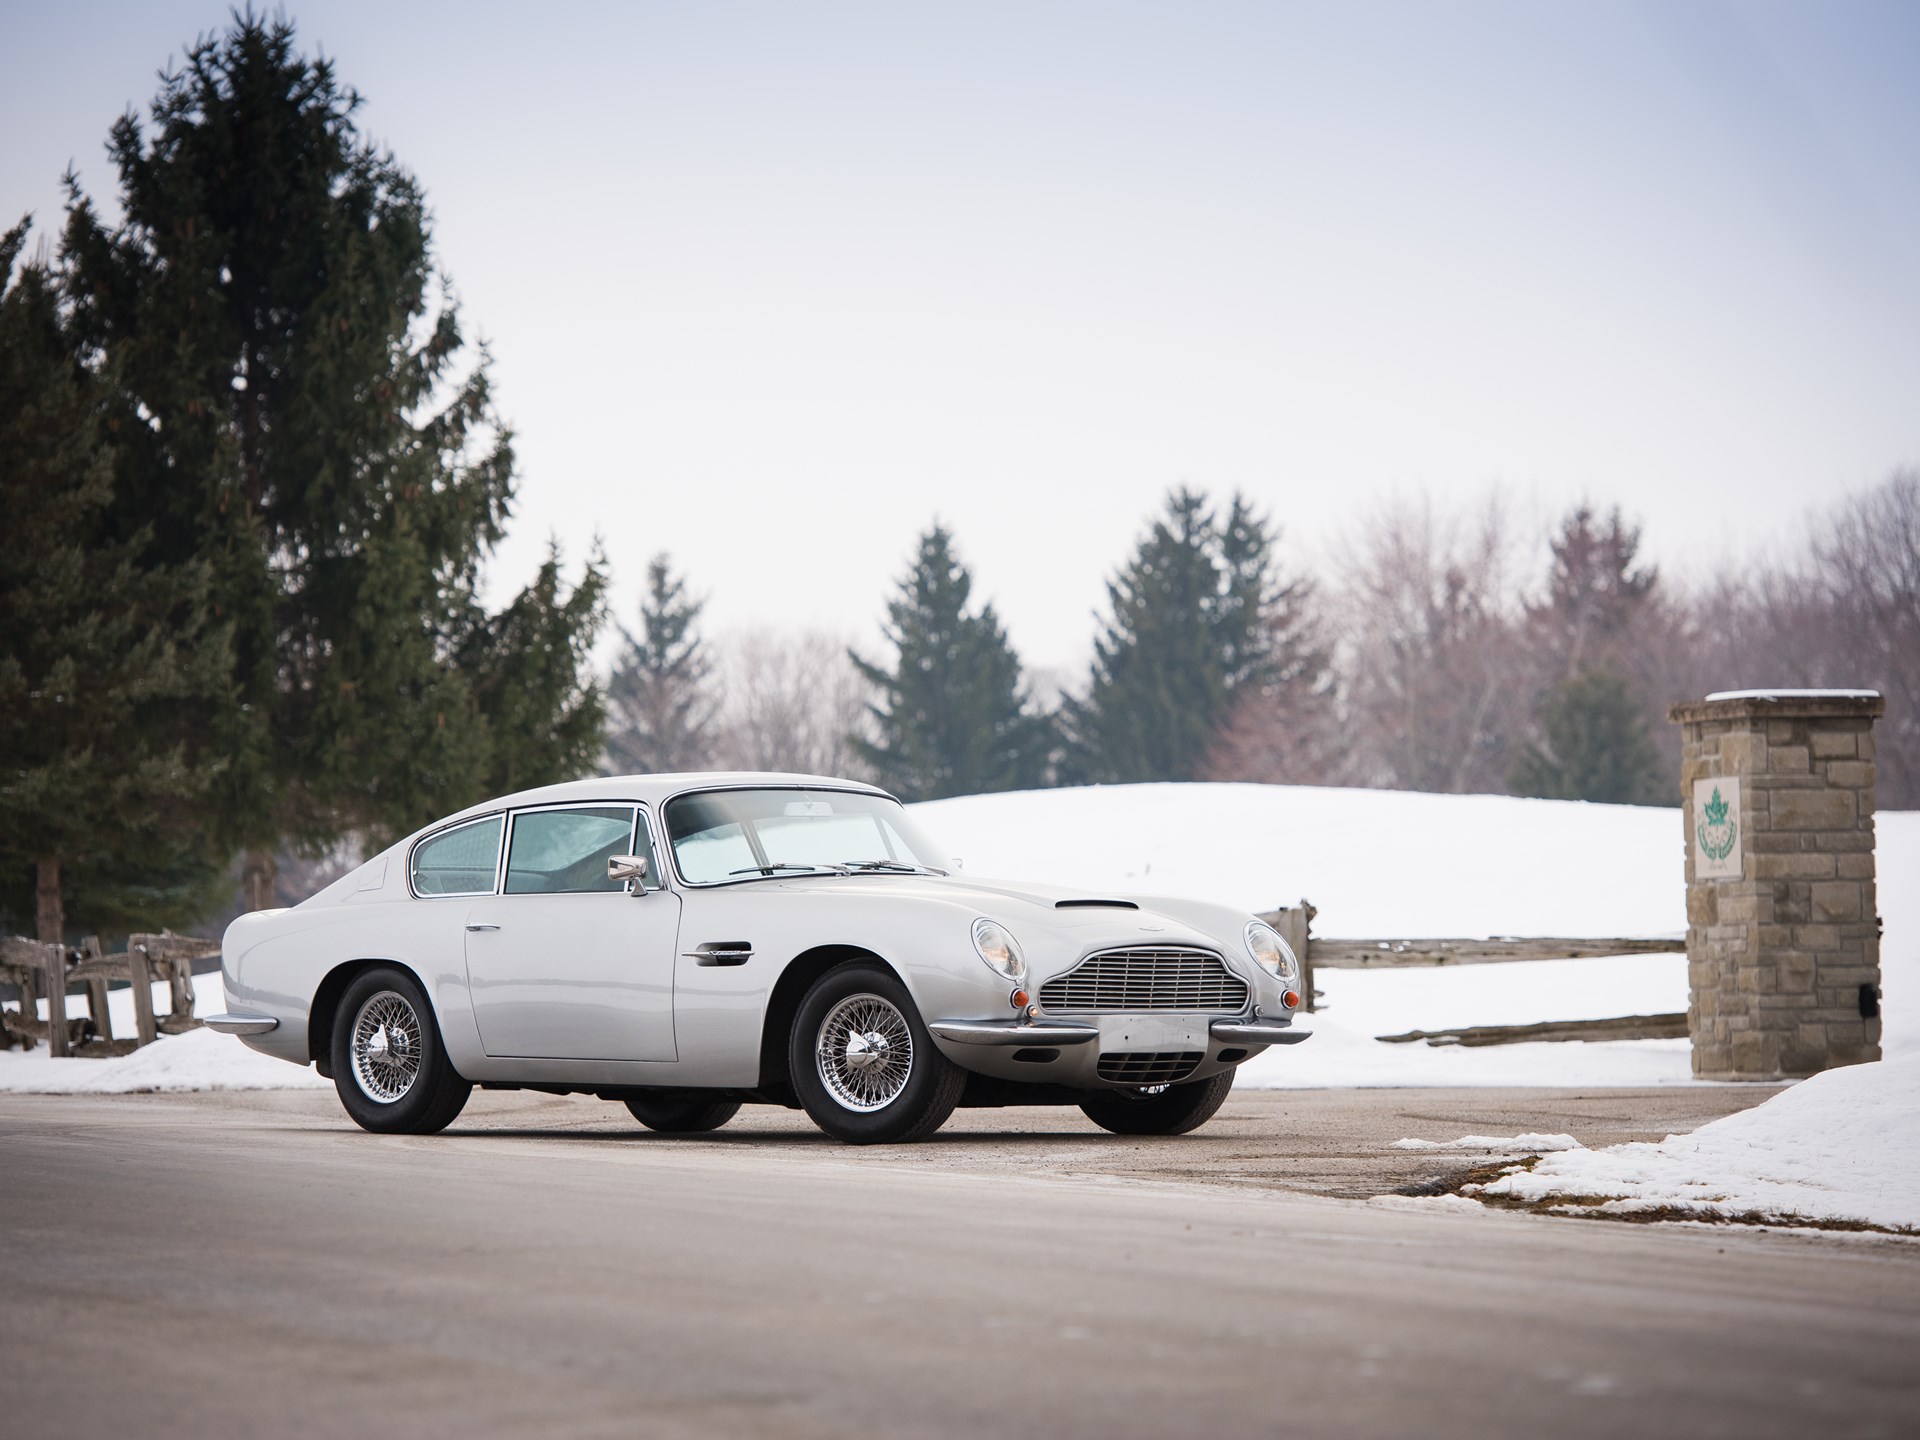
[{"x": 765, "y": 1140}]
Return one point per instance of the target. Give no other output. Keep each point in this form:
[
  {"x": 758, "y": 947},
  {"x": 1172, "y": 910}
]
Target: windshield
[{"x": 721, "y": 835}]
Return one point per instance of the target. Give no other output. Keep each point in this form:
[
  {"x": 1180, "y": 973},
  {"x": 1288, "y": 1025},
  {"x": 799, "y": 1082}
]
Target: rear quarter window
[{"x": 462, "y": 861}]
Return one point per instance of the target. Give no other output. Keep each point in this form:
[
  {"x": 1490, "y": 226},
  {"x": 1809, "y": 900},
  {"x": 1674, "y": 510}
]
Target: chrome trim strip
[
  {"x": 1009, "y": 1032},
  {"x": 241, "y": 1024},
  {"x": 1253, "y": 1032},
  {"x": 719, "y": 952}
]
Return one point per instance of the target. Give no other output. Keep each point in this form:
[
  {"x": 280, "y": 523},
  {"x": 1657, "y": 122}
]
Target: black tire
[
  {"x": 1172, "y": 1110},
  {"x": 682, "y": 1114},
  {"x": 914, "y": 1095},
  {"x": 374, "y": 1096}
]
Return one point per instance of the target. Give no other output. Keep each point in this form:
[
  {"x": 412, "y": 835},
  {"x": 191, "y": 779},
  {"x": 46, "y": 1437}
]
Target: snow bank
[
  {"x": 1381, "y": 863},
  {"x": 1842, "y": 1146},
  {"x": 197, "y": 1060}
]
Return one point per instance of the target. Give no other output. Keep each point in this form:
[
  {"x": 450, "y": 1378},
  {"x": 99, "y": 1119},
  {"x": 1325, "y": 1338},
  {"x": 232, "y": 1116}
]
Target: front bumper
[
  {"x": 1013, "y": 1032},
  {"x": 1053, "y": 1032},
  {"x": 1257, "y": 1032}
]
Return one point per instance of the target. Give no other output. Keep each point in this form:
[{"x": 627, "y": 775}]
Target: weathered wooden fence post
[
  {"x": 56, "y": 985},
  {"x": 140, "y": 978},
  {"x": 1783, "y": 943}
]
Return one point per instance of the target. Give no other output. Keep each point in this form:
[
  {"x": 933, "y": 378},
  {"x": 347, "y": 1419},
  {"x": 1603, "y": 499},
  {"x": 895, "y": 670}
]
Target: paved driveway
[{"x": 251, "y": 1265}]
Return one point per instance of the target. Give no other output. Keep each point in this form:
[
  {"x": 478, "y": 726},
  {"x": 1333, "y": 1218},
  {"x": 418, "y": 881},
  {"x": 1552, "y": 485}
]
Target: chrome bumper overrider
[
  {"x": 241, "y": 1024},
  {"x": 1013, "y": 1032},
  {"x": 1257, "y": 1032}
]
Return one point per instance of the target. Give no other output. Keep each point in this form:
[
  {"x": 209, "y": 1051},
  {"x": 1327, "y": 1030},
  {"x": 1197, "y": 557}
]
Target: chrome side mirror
[{"x": 630, "y": 870}]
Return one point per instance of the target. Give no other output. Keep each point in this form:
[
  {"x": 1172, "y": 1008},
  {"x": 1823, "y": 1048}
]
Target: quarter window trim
[{"x": 499, "y": 858}]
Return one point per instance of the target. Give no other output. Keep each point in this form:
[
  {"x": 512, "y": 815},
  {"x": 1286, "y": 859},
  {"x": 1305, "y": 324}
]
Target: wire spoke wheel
[
  {"x": 386, "y": 1047},
  {"x": 864, "y": 1052}
]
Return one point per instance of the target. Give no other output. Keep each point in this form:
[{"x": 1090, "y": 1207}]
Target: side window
[
  {"x": 565, "y": 852},
  {"x": 458, "y": 862}
]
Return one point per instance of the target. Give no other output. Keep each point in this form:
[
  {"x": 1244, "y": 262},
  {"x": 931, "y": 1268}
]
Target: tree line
[{"x": 1426, "y": 657}]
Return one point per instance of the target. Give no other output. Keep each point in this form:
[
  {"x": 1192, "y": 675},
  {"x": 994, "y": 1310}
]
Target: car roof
[{"x": 649, "y": 789}]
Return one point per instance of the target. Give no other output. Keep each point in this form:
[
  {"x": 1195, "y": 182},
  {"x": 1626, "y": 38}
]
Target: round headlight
[
  {"x": 1272, "y": 953},
  {"x": 996, "y": 947}
]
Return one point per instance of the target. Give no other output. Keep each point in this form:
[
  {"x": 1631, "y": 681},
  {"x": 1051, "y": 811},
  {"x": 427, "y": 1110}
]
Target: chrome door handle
[{"x": 472, "y": 926}]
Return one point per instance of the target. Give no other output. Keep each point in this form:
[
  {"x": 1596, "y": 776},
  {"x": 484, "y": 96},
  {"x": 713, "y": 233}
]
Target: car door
[{"x": 565, "y": 964}]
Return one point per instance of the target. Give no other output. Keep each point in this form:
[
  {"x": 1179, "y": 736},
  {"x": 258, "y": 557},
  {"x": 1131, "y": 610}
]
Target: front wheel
[
  {"x": 1158, "y": 1109},
  {"x": 682, "y": 1114},
  {"x": 389, "y": 1066},
  {"x": 863, "y": 1064}
]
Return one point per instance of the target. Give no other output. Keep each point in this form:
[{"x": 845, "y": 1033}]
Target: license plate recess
[{"x": 1152, "y": 1032}]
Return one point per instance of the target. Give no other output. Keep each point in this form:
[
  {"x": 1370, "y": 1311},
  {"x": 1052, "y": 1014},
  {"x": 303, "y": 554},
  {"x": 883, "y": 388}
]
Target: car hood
[{"x": 1082, "y": 918}]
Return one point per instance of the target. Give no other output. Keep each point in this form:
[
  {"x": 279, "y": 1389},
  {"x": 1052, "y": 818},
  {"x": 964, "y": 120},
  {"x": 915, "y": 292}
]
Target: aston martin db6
[{"x": 687, "y": 944}]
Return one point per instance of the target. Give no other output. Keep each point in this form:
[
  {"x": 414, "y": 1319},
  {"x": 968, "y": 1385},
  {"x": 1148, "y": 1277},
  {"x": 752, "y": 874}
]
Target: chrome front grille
[
  {"x": 1149, "y": 1067},
  {"x": 1146, "y": 977}
]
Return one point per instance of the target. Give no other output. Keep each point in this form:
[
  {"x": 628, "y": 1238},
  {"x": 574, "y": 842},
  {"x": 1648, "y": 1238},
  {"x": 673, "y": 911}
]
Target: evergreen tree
[
  {"x": 1593, "y": 745},
  {"x": 659, "y": 701},
  {"x": 102, "y": 655},
  {"x": 1595, "y": 591},
  {"x": 1591, "y": 738},
  {"x": 1197, "y": 619},
  {"x": 952, "y": 717},
  {"x": 297, "y": 411}
]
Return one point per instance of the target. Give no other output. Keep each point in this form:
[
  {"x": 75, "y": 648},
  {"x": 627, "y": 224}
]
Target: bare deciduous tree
[
  {"x": 1435, "y": 688},
  {"x": 791, "y": 701},
  {"x": 1845, "y": 613}
]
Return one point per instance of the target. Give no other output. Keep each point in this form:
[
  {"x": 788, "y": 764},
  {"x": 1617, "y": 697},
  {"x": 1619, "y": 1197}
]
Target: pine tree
[
  {"x": 306, "y": 419},
  {"x": 1593, "y": 745},
  {"x": 1591, "y": 734},
  {"x": 660, "y": 702},
  {"x": 1196, "y": 621},
  {"x": 103, "y": 656},
  {"x": 952, "y": 717},
  {"x": 1595, "y": 592}
]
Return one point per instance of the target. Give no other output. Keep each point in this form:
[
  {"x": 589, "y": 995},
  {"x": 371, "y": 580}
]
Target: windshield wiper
[
  {"x": 892, "y": 867},
  {"x": 801, "y": 869}
]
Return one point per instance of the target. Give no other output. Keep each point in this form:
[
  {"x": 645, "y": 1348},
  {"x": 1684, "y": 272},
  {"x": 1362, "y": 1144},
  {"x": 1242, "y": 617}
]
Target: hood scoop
[{"x": 1094, "y": 905}]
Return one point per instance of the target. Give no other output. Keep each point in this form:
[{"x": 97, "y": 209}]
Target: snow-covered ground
[
  {"x": 1380, "y": 863},
  {"x": 197, "y": 1060},
  {"x": 1843, "y": 1146}
]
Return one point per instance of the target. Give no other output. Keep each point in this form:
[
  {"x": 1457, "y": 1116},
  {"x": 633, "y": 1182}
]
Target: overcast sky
[{"x": 770, "y": 286}]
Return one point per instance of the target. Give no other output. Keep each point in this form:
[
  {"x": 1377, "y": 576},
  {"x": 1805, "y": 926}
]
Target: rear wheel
[
  {"x": 389, "y": 1066},
  {"x": 1158, "y": 1109},
  {"x": 863, "y": 1064},
  {"x": 682, "y": 1114}
]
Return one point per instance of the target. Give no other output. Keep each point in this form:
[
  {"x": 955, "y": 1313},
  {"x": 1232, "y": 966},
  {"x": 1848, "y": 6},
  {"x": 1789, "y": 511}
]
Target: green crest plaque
[{"x": 1716, "y": 829}]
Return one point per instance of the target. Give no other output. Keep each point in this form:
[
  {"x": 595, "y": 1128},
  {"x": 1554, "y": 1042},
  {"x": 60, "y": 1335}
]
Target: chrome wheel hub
[
  {"x": 864, "y": 1052},
  {"x": 386, "y": 1047}
]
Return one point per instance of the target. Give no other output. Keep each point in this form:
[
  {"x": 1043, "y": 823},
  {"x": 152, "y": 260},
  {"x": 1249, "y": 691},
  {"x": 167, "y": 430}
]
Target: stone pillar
[{"x": 1783, "y": 940}]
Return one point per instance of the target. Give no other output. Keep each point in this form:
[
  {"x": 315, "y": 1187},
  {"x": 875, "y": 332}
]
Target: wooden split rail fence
[
  {"x": 1295, "y": 924},
  {"x": 40, "y": 971}
]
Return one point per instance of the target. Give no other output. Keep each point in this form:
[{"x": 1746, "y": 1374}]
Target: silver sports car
[{"x": 687, "y": 944}]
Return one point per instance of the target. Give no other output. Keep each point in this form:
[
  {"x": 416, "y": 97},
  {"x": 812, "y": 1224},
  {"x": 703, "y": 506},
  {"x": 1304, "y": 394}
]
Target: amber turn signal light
[
  {"x": 1291, "y": 999},
  {"x": 1019, "y": 999}
]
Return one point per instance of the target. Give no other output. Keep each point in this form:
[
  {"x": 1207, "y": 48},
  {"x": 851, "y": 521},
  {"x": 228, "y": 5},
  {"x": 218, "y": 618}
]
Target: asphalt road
[{"x": 251, "y": 1265}]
